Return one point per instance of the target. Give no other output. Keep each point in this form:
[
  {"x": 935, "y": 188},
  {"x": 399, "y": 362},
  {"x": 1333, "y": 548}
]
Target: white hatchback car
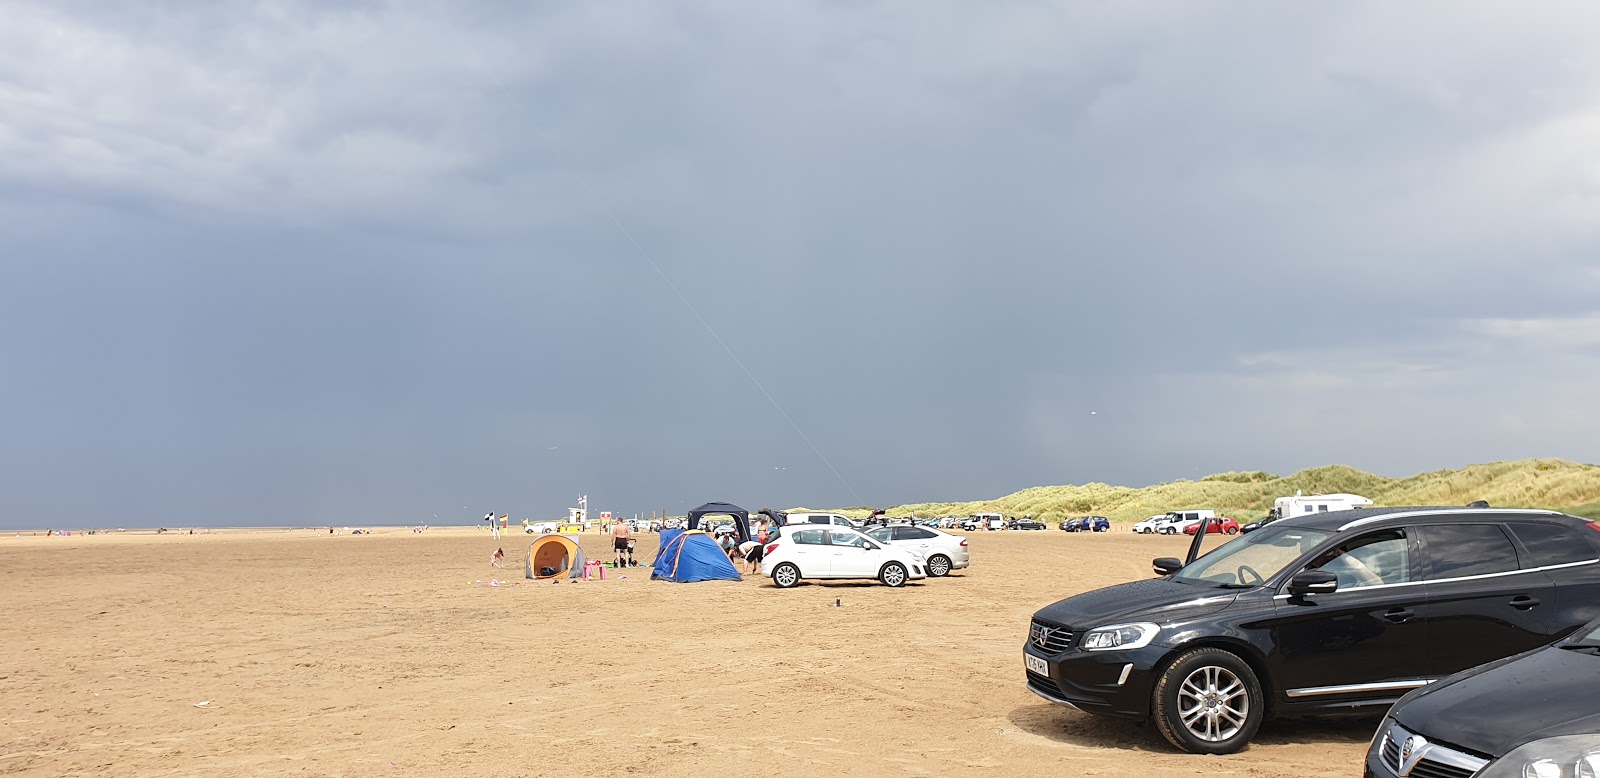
[
  {"x": 837, "y": 552},
  {"x": 942, "y": 551}
]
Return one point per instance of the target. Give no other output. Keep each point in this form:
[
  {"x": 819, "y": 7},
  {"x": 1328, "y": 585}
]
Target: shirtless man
[{"x": 620, "y": 535}]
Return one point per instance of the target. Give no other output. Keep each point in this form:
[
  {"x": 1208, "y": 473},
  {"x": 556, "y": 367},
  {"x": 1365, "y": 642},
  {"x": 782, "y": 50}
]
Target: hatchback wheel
[
  {"x": 938, "y": 566},
  {"x": 893, "y": 574},
  {"x": 1232, "y": 531},
  {"x": 1208, "y": 701},
  {"x": 786, "y": 575}
]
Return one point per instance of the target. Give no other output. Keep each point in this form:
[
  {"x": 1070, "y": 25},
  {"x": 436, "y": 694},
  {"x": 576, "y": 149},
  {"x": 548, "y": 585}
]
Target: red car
[{"x": 1221, "y": 524}]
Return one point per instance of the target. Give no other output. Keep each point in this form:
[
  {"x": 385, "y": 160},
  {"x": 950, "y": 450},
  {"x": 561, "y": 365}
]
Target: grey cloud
[{"x": 300, "y": 261}]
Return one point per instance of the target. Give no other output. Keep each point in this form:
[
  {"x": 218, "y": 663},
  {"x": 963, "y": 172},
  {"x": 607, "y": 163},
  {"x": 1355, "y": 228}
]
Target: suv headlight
[
  {"x": 1568, "y": 756},
  {"x": 1121, "y": 636}
]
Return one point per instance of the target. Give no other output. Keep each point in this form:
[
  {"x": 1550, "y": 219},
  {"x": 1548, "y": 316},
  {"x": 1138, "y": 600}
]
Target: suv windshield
[{"x": 1252, "y": 558}]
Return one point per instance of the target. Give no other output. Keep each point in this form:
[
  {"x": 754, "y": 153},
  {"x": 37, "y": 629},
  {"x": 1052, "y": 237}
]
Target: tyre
[
  {"x": 1208, "y": 701},
  {"x": 786, "y": 576},
  {"x": 1231, "y": 531},
  {"x": 938, "y": 565},
  {"x": 893, "y": 574}
]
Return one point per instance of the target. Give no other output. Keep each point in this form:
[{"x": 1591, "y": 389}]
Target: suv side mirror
[
  {"x": 1167, "y": 565},
  {"x": 1313, "y": 582}
]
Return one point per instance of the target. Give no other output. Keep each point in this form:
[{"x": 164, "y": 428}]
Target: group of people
[
  {"x": 750, "y": 551},
  {"x": 622, "y": 544}
]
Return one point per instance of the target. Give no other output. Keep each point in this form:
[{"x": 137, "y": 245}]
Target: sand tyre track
[
  {"x": 1208, "y": 701},
  {"x": 786, "y": 576},
  {"x": 893, "y": 574},
  {"x": 938, "y": 565}
]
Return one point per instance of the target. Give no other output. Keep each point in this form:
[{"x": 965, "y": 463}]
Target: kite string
[{"x": 724, "y": 344}]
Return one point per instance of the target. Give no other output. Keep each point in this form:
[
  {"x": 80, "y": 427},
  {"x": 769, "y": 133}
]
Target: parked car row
[
  {"x": 1086, "y": 524},
  {"x": 1348, "y": 611}
]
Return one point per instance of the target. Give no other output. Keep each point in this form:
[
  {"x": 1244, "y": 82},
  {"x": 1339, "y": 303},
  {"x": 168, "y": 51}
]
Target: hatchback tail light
[
  {"x": 771, "y": 548},
  {"x": 964, "y": 540}
]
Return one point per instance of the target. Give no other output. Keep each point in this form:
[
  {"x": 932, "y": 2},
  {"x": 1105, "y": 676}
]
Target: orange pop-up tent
[{"x": 554, "y": 556}]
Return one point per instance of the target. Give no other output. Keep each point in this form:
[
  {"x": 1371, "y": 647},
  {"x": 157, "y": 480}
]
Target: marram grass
[{"x": 1528, "y": 483}]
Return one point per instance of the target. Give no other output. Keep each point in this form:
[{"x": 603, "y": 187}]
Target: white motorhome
[{"x": 1300, "y": 505}]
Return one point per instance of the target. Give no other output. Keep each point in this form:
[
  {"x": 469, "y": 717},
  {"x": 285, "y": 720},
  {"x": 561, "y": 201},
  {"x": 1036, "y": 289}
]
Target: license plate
[{"x": 1035, "y": 664}]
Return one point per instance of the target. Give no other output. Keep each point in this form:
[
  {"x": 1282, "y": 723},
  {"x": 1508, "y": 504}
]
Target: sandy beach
[{"x": 390, "y": 654}]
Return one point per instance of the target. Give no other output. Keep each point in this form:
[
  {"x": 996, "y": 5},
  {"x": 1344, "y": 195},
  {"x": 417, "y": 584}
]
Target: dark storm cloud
[{"x": 306, "y": 262}]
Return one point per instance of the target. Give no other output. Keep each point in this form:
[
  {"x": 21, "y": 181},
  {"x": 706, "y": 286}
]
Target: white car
[
  {"x": 1151, "y": 525},
  {"x": 941, "y": 551},
  {"x": 1178, "y": 521},
  {"x": 826, "y": 552}
]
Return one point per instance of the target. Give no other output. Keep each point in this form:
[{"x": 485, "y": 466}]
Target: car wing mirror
[
  {"x": 1167, "y": 565},
  {"x": 1313, "y": 582}
]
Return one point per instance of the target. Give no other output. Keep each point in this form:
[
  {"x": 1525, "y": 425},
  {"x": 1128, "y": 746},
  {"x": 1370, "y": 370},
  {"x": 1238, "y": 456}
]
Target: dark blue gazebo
[{"x": 741, "y": 517}]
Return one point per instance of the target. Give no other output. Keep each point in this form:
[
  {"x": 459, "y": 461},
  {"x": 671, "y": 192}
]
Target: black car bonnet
[
  {"x": 1545, "y": 693},
  {"x": 1155, "y": 600}
]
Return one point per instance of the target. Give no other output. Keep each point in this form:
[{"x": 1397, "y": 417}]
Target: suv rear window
[
  {"x": 1460, "y": 550},
  {"x": 1552, "y": 544}
]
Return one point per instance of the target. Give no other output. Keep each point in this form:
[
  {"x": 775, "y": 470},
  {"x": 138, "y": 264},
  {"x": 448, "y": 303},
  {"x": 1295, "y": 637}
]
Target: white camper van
[{"x": 1300, "y": 505}]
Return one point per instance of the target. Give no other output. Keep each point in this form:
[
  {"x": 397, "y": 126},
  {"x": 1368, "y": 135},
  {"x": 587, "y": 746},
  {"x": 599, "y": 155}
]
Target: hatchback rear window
[
  {"x": 1461, "y": 550},
  {"x": 810, "y": 537},
  {"x": 1553, "y": 544}
]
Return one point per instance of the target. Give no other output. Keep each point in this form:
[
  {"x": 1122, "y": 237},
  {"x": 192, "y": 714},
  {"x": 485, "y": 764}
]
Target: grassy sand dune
[{"x": 1528, "y": 483}]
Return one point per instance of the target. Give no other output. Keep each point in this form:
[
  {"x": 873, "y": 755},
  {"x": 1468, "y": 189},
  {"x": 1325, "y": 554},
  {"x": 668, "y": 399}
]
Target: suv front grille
[{"x": 1049, "y": 638}]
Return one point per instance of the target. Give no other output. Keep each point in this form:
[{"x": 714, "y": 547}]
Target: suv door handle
[
  {"x": 1523, "y": 602},
  {"x": 1399, "y": 615}
]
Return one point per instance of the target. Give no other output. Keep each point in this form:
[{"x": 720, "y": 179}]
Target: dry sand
[{"x": 380, "y": 655}]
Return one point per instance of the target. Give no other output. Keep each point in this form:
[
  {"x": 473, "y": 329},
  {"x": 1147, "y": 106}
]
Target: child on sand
[{"x": 499, "y": 558}]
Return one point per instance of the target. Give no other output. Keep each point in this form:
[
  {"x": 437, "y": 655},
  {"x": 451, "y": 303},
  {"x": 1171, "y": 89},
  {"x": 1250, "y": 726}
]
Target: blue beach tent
[{"x": 687, "y": 556}]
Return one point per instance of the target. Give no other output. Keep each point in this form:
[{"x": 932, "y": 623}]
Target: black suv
[{"x": 1316, "y": 614}]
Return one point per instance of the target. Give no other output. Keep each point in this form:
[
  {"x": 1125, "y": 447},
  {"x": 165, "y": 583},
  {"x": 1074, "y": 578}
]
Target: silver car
[{"x": 943, "y": 551}]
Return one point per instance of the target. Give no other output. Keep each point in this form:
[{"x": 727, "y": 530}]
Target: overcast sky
[{"x": 380, "y": 262}]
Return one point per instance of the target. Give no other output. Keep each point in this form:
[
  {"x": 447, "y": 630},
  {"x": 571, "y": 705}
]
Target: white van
[
  {"x": 1176, "y": 521},
  {"x": 832, "y": 519}
]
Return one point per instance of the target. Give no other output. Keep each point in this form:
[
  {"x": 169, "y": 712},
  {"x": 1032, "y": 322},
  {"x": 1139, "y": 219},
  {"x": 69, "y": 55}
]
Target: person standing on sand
[{"x": 620, "y": 535}]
